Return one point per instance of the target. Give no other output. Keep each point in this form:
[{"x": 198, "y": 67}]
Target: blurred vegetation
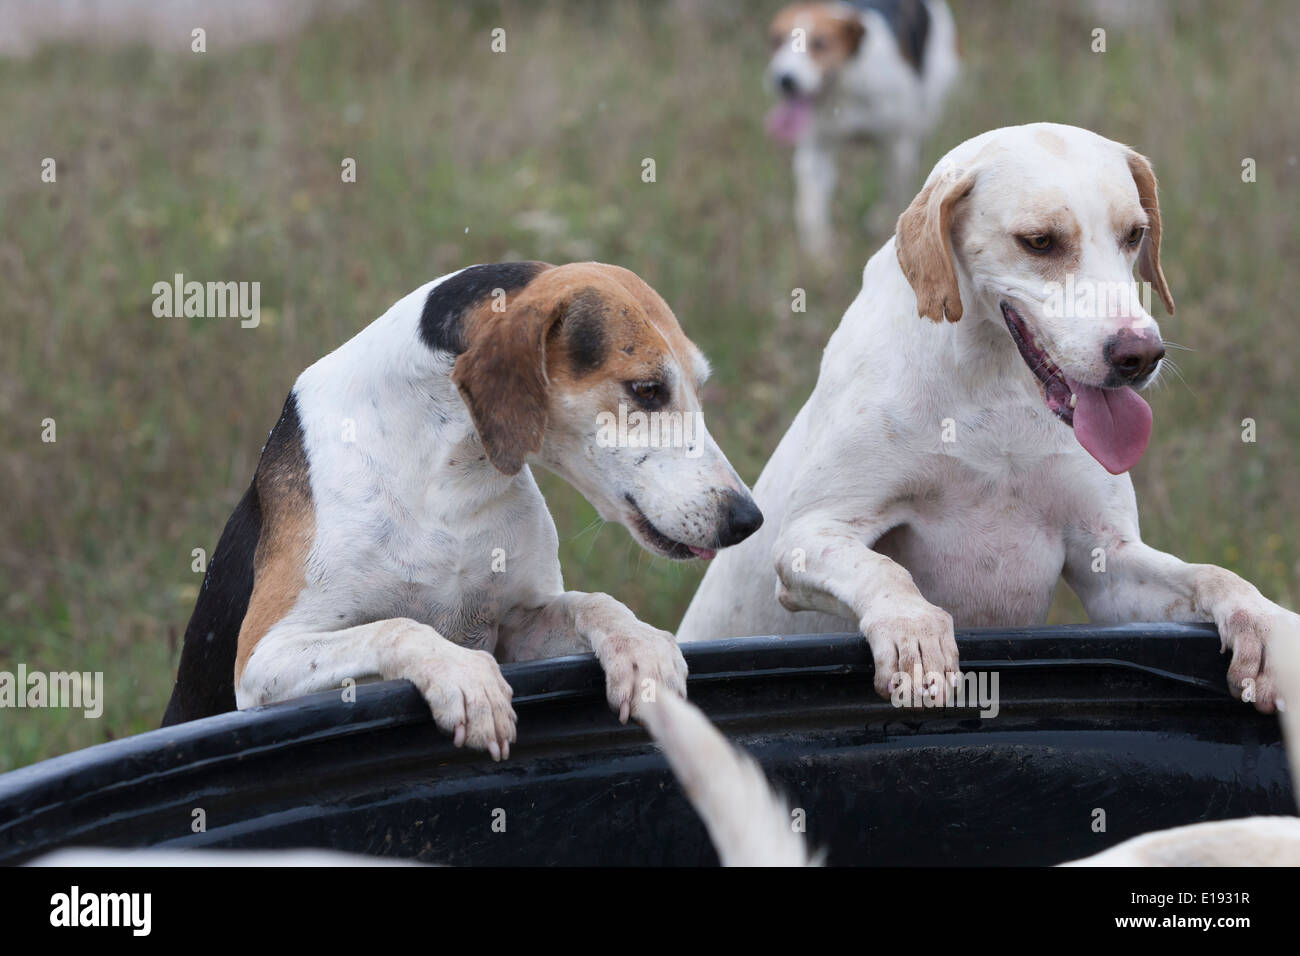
[{"x": 226, "y": 166}]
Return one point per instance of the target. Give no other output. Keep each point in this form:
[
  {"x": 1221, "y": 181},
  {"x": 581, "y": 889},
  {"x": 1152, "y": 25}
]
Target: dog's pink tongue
[
  {"x": 1112, "y": 424},
  {"x": 789, "y": 118}
]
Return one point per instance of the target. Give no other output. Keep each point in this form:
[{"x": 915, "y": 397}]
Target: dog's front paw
[
  {"x": 915, "y": 650},
  {"x": 1253, "y": 634},
  {"x": 469, "y": 698},
  {"x": 640, "y": 664}
]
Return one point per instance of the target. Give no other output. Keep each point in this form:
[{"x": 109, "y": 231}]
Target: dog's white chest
[
  {"x": 413, "y": 532},
  {"x": 461, "y": 573},
  {"x": 983, "y": 532},
  {"x": 998, "y": 575}
]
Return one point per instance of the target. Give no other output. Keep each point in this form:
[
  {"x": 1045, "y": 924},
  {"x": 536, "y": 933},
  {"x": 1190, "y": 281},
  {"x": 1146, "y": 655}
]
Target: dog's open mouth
[
  {"x": 659, "y": 541},
  {"x": 788, "y": 119},
  {"x": 1060, "y": 398},
  {"x": 1112, "y": 424}
]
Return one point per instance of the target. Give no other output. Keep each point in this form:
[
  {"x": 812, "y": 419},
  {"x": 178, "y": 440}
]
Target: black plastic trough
[{"x": 1133, "y": 721}]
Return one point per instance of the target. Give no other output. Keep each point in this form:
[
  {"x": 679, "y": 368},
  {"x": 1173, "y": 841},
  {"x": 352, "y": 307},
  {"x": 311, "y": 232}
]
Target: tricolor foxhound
[
  {"x": 393, "y": 526},
  {"x": 873, "y": 69}
]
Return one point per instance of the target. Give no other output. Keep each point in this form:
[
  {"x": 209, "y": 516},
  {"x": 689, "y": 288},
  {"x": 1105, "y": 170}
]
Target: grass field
[{"x": 226, "y": 166}]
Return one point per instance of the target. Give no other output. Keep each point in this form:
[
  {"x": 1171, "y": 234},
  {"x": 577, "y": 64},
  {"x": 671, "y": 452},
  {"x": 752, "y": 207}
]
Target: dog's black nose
[
  {"x": 740, "y": 519},
  {"x": 787, "y": 84},
  {"x": 1133, "y": 355}
]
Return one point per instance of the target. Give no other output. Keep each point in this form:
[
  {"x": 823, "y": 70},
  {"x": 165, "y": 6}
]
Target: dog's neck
[
  {"x": 390, "y": 393},
  {"x": 975, "y": 354},
  {"x": 976, "y": 350}
]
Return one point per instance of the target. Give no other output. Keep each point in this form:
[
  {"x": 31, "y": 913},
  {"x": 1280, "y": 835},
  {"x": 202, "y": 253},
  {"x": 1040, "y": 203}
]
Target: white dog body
[{"x": 928, "y": 477}]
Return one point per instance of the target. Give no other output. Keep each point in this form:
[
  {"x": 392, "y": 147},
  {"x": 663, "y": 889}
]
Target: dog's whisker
[
  {"x": 1173, "y": 367},
  {"x": 599, "y": 525},
  {"x": 595, "y": 523}
]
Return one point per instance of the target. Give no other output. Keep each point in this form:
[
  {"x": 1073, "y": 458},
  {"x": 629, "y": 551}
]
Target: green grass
[{"x": 226, "y": 166}]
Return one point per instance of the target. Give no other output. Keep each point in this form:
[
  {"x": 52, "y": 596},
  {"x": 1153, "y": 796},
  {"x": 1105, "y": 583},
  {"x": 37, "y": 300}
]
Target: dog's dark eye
[
  {"x": 648, "y": 393},
  {"x": 777, "y": 40},
  {"x": 1038, "y": 243},
  {"x": 819, "y": 44},
  {"x": 1135, "y": 235}
]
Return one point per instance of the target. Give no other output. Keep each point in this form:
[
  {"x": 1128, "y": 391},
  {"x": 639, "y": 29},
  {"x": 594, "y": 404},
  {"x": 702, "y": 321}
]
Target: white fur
[
  {"x": 874, "y": 522},
  {"x": 750, "y": 825}
]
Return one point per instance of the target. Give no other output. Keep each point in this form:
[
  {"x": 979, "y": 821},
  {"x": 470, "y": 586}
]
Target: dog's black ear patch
[
  {"x": 441, "y": 322},
  {"x": 584, "y": 331}
]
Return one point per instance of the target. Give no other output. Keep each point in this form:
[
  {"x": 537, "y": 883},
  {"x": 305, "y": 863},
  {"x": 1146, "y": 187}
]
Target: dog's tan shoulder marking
[{"x": 288, "y": 527}]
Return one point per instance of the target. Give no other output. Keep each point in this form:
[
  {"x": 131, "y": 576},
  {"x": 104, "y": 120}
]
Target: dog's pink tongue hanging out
[
  {"x": 1112, "y": 424},
  {"x": 789, "y": 118}
]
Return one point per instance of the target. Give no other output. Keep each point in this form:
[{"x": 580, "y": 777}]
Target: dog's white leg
[
  {"x": 464, "y": 688},
  {"x": 640, "y": 661},
  {"x": 830, "y": 569},
  {"x": 814, "y": 187},
  {"x": 1122, "y": 579}
]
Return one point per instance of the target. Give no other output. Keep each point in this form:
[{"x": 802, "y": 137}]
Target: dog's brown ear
[
  {"x": 923, "y": 243},
  {"x": 502, "y": 377},
  {"x": 852, "y": 29},
  {"x": 1148, "y": 261}
]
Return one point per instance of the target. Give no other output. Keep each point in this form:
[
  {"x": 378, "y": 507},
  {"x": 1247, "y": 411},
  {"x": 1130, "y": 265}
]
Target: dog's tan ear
[
  {"x": 1148, "y": 261},
  {"x": 502, "y": 377},
  {"x": 850, "y": 26},
  {"x": 924, "y": 245}
]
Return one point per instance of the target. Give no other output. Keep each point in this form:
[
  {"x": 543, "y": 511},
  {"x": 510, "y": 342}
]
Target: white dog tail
[{"x": 747, "y": 820}]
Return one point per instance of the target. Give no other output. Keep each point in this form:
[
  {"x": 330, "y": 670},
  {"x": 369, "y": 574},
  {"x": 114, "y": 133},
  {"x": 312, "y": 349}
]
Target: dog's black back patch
[
  {"x": 445, "y": 308},
  {"x": 205, "y": 679},
  {"x": 910, "y": 21}
]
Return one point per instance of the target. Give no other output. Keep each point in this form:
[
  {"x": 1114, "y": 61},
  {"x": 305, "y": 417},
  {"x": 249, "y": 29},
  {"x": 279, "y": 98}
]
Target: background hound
[
  {"x": 878, "y": 70},
  {"x": 967, "y": 441},
  {"x": 393, "y": 527}
]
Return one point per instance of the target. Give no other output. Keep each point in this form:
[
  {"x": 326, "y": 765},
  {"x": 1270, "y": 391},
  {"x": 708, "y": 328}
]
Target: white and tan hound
[
  {"x": 394, "y": 528},
  {"x": 968, "y": 439},
  {"x": 878, "y": 70}
]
